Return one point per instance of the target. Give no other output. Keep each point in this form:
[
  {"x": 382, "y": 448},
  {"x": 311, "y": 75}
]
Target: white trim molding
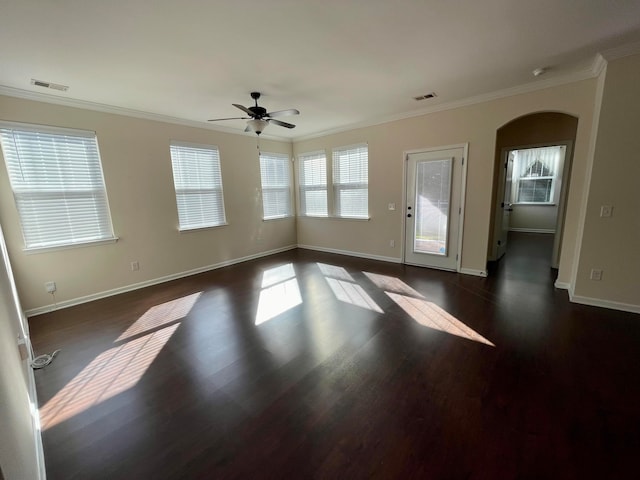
[
  {"x": 597, "y": 302},
  {"x": 532, "y": 230},
  {"x": 474, "y": 272},
  {"x": 351, "y": 254},
  {"x": 127, "y": 112},
  {"x": 154, "y": 281},
  {"x": 562, "y": 285}
]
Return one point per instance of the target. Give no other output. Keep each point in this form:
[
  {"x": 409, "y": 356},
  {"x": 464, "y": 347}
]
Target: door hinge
[
  {"x": 463, "y": 160},
  {"x": 459, "y": 210},
  {"x": 505, "y": 165},
  {"x": 456, "y": 256}
]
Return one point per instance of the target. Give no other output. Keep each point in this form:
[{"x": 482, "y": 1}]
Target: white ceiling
[{"x": 340, "y": 62}]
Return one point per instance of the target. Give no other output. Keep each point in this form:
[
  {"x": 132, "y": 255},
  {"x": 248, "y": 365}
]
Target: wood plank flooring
[{"x": 356, "y": 369}]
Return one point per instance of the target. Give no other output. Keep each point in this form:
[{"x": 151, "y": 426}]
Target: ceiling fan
[{"x": 259, "y": 118}]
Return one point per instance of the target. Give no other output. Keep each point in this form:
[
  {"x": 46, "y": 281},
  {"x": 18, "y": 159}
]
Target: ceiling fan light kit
[
  {"x": 259, "y": 118},
  {"x": 257, "y": 125}
]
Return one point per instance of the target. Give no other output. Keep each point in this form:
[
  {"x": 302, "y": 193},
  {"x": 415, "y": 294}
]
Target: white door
[
  {"x": 433, "y": 208},
  {"x": 506, "y": 207}
]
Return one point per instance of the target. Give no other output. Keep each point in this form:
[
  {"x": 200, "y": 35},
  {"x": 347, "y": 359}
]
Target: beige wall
[
  {"x": 534, "y": 217},
  {"x": 138, "y": 176},
  {"x": 613, "y": 244},
  {"x": 18, "y": 454},
  {"x": 476, "y": 124}
]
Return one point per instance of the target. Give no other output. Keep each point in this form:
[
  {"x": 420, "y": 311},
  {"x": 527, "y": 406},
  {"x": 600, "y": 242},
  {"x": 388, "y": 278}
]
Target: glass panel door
[{"x": 432, "y": 205}]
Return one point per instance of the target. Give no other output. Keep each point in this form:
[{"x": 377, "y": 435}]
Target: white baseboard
[
  {"x": 596, "y": 302},
  {"x": 562, "y": 285},
  {"x": 351, "y": 254},
  {"x": 532, "y": 230},
  {"x": 472, "y": 271},
  {"x": 154, "y": 281},
  {"x": 35, "y": 413}
]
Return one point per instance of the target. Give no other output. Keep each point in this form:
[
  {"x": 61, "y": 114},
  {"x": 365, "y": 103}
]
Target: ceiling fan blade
[
  {"x": 232, "y": 118},
  {"x": 283, "y": 113},
  {"x": 282, "y": 124},
  {"x": 244, "y": 109}
]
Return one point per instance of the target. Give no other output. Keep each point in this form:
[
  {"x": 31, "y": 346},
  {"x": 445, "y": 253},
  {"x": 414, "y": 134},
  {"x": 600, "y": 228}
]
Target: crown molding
[
  {"x": 127, "y": 112},
  {"x": 622, "y": 51},
  {"x": 598, "y": 65},
  {"x": 559, "y": 80},
  {"x": 594, "y": 70}
]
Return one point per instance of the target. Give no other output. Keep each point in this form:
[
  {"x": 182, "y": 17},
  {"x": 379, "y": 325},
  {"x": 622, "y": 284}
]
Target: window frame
[
  {"x": 338, "y": 187},
  {"x": 95, "y": 189},
  {"x": 198, "y": 191},
  {"x": 556, "y": 178},
  {"x": 317, "y": 187},
  {"x": 282, "y": 157}
]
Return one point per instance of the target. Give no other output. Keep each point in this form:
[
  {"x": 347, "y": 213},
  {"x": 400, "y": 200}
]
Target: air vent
[
  {"x": 425, "y": 96},
  {"x": 54, "y": 86}
]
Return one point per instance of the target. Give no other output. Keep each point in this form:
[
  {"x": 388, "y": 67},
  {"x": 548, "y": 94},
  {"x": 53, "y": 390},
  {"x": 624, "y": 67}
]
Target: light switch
[{"x": 392, "y": 206}]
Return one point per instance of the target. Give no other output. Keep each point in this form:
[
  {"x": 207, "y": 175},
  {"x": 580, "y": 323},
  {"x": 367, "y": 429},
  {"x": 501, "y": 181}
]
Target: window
[
  {"x": 350, "y": 181},
  {"x": 198, "y": 183},
  {"x": 276, "y": 185},
  {"x": 535, "y": 174},
  {"x": 57, "y": 183},
  {"x": 313, "y": 184}
]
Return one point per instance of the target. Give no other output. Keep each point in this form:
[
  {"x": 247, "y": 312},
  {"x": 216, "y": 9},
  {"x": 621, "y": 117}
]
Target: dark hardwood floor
[{"x": 356, "y": 369}]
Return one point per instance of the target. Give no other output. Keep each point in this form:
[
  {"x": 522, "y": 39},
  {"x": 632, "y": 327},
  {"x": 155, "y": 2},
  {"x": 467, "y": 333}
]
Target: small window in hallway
[{"x": 535, "y": 174}]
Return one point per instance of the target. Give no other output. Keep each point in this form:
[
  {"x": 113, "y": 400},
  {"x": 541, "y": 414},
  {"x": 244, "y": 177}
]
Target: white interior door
[
  {"x": 506, "y": 207},
  {"x": 433, "y": 208}
]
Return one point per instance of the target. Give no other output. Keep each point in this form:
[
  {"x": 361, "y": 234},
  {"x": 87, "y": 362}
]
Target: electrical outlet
[
  {"x": 596, "y": 274},
  {"x": 606, "y": 210},
  {"x": 392, "y": 206},
  {"x": 50, "y": 287},
  {"x": 392, "y": 243},
  {"x": 135, "y": 266}
]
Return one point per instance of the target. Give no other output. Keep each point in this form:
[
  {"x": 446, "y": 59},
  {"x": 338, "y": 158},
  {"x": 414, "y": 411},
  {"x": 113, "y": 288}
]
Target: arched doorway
[{"x": 531, "y": 136}]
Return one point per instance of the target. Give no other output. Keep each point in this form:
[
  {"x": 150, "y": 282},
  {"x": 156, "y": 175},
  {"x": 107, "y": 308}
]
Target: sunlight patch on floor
[
  {"x": 352, "y": 293},
  {"x": 279, "y": 274},
  {"x": 110, "y": 373},
  {"x": 431, "y": 315},
  {"x": 160, "y": 315},
  {"x": 392, "y": 284},
  {"x": 281, "y": 293},
  {"x": 334, "y": 271}
]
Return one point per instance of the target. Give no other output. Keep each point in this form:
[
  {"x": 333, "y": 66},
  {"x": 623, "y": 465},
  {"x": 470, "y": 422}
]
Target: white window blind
[
  {"x": 198, "y": 184},
  {"x": 351, "y": 181},
  {"x": 535, "y": 174},
  {"x": 57, "y": 183},
  {"x": 313, "y": 184},
  {"x": 276, "y": 185}
]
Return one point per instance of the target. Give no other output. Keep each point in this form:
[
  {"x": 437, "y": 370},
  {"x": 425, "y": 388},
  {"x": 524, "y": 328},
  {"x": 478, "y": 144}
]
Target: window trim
[
  {"x": 288, "y": 189},
  {"x": 213, "y": 148},
  {"x": 316, "y": 187},
  {"x": 71, "y": 132},
  {"x": 556, "y": 178},
  {"x": 337, "y": 187}
]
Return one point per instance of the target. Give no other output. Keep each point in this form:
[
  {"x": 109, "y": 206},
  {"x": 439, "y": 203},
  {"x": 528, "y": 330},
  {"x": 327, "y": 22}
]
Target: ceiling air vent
[
  {"x": 425, "y": 96},
  {"x": 54, "y": 86}
]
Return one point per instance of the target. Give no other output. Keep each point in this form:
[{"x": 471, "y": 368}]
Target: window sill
[
  {"x": 69, "y": 246},
  {"x": 282, "y": 217},
  {"x": 205, "y": 227}
]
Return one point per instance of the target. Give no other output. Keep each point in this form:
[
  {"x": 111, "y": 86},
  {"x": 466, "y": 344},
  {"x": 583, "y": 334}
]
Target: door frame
[
  {"x": 562, "y": 198},
  {"x": 463, "y": 192}
]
